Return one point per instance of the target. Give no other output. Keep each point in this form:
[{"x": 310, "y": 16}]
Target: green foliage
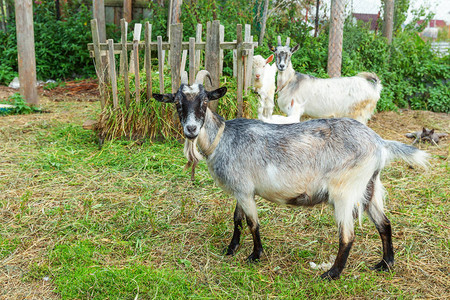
[
  {"x": 20, "y": 106},
  {"x": 60, "y": 45}
]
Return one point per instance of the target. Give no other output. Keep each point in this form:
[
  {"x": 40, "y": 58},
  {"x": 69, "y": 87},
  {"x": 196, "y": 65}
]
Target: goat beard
[{"x": 192, "y": 155}]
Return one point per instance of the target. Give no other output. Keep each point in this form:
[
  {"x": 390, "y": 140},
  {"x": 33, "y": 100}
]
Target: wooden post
[
  {"x": 198, "y": 39},
  {"x": 192, "y": 61},
  {"x": 25, "y": 50},
  {"x": 98, "y": 62},
  {"x": 239, "y": 71},
  {"x": 99, "y": 14},
  {"x": 316, "y": 20},
  {"x": 388, "y": 20},
  {"x": 137, "y": 86},
  {"x": 221, "y": 40},
  {"x": 263, "y": 23},
  {"x": 128, "y": 10},
  {"x": 176, "y": 11},
  {"x": 335, "y": 38},
  {"x": 112, "y": 72},
  {"x": 136, "y": 37},
  {"x": 234, "y": 61},
  {"x": 176, "y": 39},
  {"x": 247, "y": 63},
  {"x": 160, "y": 64},
  {"x": 148, "y": 59},
  {"x": 212, "y": 59},
  {"x": 124, "y": 61}
]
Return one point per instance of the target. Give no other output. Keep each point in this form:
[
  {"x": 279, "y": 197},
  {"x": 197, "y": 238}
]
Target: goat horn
[
  {"x": 279, "y": 40},
  {"x": 288, "y": 41},
  {"x": 200, "y": 78},
  {"x": 184, "y": 77}
]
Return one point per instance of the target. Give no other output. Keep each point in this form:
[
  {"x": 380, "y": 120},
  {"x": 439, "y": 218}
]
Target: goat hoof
[
  {"x": 383, "y": 266},
  {"x": 231, "y": 249},
  {"x": 253, "y": 258},
  {"x": 331, "y": 274}
]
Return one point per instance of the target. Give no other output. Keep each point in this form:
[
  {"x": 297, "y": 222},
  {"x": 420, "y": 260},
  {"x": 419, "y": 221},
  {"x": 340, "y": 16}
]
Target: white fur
[
  {"x": 353, "y": 97},
  {"x": 264, "y": 85}
]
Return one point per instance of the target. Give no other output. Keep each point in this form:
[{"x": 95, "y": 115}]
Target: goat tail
[
  {"x": 373, "y": 79},
  {"x": 409, "y": 154}
]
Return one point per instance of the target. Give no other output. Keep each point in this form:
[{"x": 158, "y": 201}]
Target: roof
[
  {"x": 368, "y": 18},
  {"x": 434, "y": 23}
]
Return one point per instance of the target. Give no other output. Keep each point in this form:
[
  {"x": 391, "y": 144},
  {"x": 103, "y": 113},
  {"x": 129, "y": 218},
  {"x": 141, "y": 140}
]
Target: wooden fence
[{"x": 177, "y": 53}]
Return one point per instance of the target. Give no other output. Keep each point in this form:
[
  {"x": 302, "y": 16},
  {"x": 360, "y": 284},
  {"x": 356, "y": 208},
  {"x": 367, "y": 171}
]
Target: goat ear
[
  {"x": 217, "y": 94},
  {"x": 295, "y": 48},
  {"x": 166, "y": 98},
  {"x": 432, "y": 131},
  {"x": 292, "y": 103},
  {"x": 272, "y": 48},
  {"x": 269, "y": 59}
]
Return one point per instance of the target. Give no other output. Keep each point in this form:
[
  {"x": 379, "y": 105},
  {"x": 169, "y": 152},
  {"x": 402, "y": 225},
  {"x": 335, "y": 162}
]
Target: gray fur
[{"x": 324, "y": 160}]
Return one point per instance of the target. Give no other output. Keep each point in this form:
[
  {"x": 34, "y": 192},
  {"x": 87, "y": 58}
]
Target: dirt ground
[{"x": 390, "y": 125}]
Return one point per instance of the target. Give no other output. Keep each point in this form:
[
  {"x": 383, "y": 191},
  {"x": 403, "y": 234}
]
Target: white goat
[
  {"x": 293, "y": 115},
  {"x": 338, "y": 161},
  {"x": 264, "y": 84},
  {"x": 354, "y": 97}
]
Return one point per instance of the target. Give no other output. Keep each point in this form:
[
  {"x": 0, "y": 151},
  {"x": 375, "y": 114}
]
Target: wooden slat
[
  {"x": 136, "y": 72},
  {"x": 198, "y": 41},
  {"x": 183, "y": 61},
  {"x": 148, "y": 59},
  {"x": 247, "y": 70},
  {"x": 234, "y": 61},
  {"x": 119, "y": 3},
  {"x": 192, "y": 60},
  {"x": 123, "y": 42},
  {"x": 112, "y": 73},
  {"x": 99, "y": 14},
  {"x": 221, "y": 40},
  {"x": 166, "y": 46},
  {"x": 98, "y": 62},
  {"x": 239, "y": 72},
  {"x": 176, "y": 36},
  {"x": 160, "y": 64},
  {"x": 127, "y": 10},
  {"x": 136, "y": 37},
  {"x": 212, "y": 59},
  {"x": 124, "y": 61}
]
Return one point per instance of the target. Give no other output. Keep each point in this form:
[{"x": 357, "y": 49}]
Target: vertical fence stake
[
  {"x": 98, "y": 62},
  {"x": 112, "y": 72},
  {"x": 124, "y": 61},
  {"x": 176, "y": 37},
  {"x": 239, "y": 71},
  {"x": 198, "y": 39},
  {"x": 221, "y": 40},
  {"x": 136, "y": 71},
  {"x": 247, "y": 70},
  {"x": 148, "y": 59},
  {"x": 160, "y": 64},
  {"x": 192, "y": 60},
  {"x": 212, "y": 58},
  {"x": 136, "y": 37}
]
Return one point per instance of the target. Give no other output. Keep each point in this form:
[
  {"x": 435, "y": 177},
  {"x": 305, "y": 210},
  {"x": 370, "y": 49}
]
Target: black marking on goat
[
  {"x": 341, "y": 259},
  {"x": 385, "y": 231},
  {"x": 257, "y": 245},
  {"x": 235, "y": 240},
  {"x": 305, "y": 200}
]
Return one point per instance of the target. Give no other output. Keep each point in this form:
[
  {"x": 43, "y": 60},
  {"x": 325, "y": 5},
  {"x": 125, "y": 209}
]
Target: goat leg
[
  {"x": 257, "y": 245},
  {"x": 388, "y": 252},
  {"x": 235, "y": 240},
  {"x": 341, "y": 259}
]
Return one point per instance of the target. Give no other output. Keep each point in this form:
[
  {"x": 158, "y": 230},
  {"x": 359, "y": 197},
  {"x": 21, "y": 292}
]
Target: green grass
[{"x": 125, "y": 221}]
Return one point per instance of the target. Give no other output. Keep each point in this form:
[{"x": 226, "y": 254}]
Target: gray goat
[{"x": 338, "y": 161}]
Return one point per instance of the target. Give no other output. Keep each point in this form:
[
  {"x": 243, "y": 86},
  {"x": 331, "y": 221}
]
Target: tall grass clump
[{"x": 155, "y": 120}]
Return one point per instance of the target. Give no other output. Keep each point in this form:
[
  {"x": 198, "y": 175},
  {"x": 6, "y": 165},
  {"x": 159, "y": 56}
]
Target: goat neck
[
  {"x": 210, "y": 133},
  {"x": 284, "y": 77}
]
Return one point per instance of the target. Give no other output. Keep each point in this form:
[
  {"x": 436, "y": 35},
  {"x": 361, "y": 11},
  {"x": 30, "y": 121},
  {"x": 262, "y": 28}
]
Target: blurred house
[
  {"x": 370, "y": 19},
  {"x": 433, "y": 28}
]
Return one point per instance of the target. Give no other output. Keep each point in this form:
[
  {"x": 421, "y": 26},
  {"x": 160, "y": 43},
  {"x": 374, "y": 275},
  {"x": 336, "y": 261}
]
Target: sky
[{"x": 441, "y": 8}]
